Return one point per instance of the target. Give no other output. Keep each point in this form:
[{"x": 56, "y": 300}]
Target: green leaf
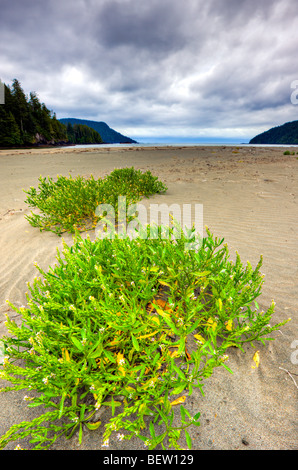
[
  {"x": 182, "y": 412},
  {"x": 113, "y": 406},
  {"x": 154, "y": 269},
  {"x": 163, "y": 416},
  {"x": 171, "y": 418},
  {"x": 196, "y": 423},
  {"x": 181, "y": 348},
  {"x": 77, "y": 343},
  {"x": 179, "y": 372},
  {"x": 93, "y": 426},
  {"x": 96, "y": 353},
  {"x": 156, "y": 357},
  {"x": 171, "y": 325},
  {"x": 2, "y": 351},
  {"x": 197, "y": 322},
  {"x": 33, "y": 405},
  {"x": 109, "y": 355},
  {"x": 226, "y": 367},
  {"x": 201, "y": 274},
  {"x": 152, "y": 430},
  {"x": 188, "y": 438},
  {"x": 108, "y": 403},
  {"x": 178, "y": 389},
  {"x": 214, "y": 291},
  {"x": 130, "y": 354},
  {"x": 74, "y": 400},
  {"x": 160, "y": 438},
  {"x": 187, "y": 412},
  {"x": 82, "y": 411},
  {"x": 80, "y": 434},
  {"x": 135, "y": 343},
  {"x": 62, "y": 404}
]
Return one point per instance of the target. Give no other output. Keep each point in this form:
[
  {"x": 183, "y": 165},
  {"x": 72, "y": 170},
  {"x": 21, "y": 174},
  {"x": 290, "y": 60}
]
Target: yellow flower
[
  {"x": 256, "y": 359},
  {"x": 121, "y": 362},
  {"x": 199, "y": 338},
  {"x": 65, "y": 355},
  {"x": 211, "y": 324}
]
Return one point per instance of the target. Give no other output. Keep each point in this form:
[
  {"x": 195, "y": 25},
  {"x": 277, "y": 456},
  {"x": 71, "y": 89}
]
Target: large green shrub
[
  {"x": 69, "y": 204},
  {"x": 130, "y": 324}
]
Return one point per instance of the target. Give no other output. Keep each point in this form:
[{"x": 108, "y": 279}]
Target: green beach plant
[
  {"x": 69, "y": 204},
  {"x": 132, "y": 326}
]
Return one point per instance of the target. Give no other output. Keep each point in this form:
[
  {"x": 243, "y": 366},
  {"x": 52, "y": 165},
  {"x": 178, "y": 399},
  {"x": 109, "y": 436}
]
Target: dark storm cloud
[
  {"x": 156, "y": 67},
  {"x": 152, "y": 26}
]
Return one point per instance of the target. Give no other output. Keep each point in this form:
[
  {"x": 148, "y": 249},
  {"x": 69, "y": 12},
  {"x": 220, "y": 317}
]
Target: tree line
[
  {"x": 82, "y": 134},
  {"x": 25, "y": 121},
  {"x": 286, "y": 134}
]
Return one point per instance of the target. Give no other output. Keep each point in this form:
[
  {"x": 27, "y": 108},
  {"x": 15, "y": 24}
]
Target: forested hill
[
  {"x": 26, "y": 122},
  {"x": 108, "y": 135},
  {"x": 287, "y": 134}
]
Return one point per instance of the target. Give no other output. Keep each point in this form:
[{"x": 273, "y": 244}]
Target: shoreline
[
  {"x": 141, "y": 147},
  {"x": 249, "y": 197}
]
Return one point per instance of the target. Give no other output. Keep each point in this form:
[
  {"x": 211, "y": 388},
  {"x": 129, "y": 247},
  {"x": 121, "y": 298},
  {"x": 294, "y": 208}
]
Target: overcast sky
[{"x": 153, "y": 68}]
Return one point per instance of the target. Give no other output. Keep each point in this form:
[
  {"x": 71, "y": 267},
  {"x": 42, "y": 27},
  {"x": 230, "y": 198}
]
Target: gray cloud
[
  {"x": 157, "y": 67},
  {"x": 152, "y": 26}
]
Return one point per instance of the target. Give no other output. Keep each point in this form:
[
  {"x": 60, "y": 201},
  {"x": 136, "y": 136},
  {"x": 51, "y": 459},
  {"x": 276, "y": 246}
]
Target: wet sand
[{"x": 249, "y": 197}]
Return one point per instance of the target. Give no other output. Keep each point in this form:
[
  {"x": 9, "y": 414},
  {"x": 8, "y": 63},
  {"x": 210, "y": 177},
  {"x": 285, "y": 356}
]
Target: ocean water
[{"x": 182, "y": 144}]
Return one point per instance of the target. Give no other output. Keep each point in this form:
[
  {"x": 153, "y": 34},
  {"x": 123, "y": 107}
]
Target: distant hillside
[
  {"x": 287, "y": 134},
  {"x": 108, "y": 135}
]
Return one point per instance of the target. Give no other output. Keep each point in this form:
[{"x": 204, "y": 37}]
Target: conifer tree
[
  {"x": 22, "y": 118},
  {"x": 9, "y": 131}
]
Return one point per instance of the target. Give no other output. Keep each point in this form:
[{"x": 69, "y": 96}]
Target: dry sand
[{"x": 249, "y": 196}]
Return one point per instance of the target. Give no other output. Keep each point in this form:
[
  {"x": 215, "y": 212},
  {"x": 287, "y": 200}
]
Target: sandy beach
[{"x": 249, "y": 197}]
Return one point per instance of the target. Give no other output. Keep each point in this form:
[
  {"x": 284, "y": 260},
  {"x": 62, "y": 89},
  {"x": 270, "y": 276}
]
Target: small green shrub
[
  {"x": 130, "y": 325},
  {"x": 69, "y": 204}
]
